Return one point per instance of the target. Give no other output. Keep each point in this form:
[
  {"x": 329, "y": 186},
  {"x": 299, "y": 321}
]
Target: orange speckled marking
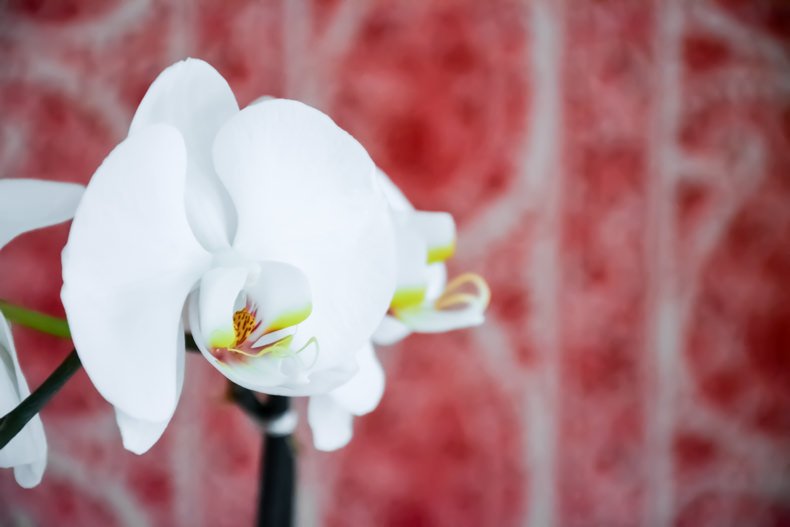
[{"x": 243, "y": 324}]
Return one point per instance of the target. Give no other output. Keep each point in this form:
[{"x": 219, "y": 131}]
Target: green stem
[{"x": 35, "y": 320}]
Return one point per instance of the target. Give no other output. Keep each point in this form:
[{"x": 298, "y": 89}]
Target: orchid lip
[
  {"x": 462, "y": 302},
  {"x": 250, "y": 338}
]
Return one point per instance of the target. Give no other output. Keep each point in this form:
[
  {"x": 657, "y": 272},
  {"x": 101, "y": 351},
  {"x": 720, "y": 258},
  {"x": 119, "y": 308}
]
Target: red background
[{"x": 619, "y": 171}]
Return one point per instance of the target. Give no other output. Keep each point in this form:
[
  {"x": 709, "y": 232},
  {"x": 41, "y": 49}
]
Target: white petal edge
[
  {"x": 282, "y": 295},
  {"x": 395, "y": 198},
  {"x": 438, "y": 231},
  {"x": 437, "y": 280},
  {"x": 27, "y": 451},
  {"x": 330, "y": 416},
  {"x": 427, "y": 320},
  {"x": 28, "y": 204},
  {"x": 412, "y": 253},
  {"x": 306, "y": 195},
  {"x": 331, "y": 424},
  {"x": 390, "y": 331},
  {"x": 194, "y": 98},
  {"x": 262, "y": 98},
  {"x": 128, "y": 266},
  {"x": 139, "y": 435},
  {"x": 363, "y": 392}
]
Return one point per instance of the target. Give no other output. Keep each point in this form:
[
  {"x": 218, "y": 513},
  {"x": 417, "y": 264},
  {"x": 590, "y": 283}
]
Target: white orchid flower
[
  {"x": 424, "y": 301},
  {"x": 25, "y": 205},
  {"x": 265, "y": 225}
]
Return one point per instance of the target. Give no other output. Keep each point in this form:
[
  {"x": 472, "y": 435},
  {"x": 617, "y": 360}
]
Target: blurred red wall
[{"x": 619, "y": 171}]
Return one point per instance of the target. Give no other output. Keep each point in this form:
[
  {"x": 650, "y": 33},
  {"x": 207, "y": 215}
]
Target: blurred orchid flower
[
  {"x": 424, "y": 301},
  {"x": 264, "y": 226},
  {"x": 25, "y": 205}
]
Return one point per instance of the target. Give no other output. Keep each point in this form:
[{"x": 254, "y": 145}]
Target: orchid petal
[
  {"x": 330, "y": 416},
  {"x": 428, "y": 320},
  {"x": 362, "y": 393},
  {"x": 219, "y": 291},
  {"x": 332, "y": 425},
  {"x": 27, "y": 451},
  {"x": 139, "y": 435},
  {"x": 438, "y": 231},
  {"x": 194, "y": 98},
  {"x": 28, "y": 204},
  {"x": 436, "y": 275},
  {"x": 412, "y": 254},
  {"x": 281, "y": 294},
  {"x": 305, "y": 194},
  {"x": 395, "y": 198},
  {"x": 390, "y": 331},
  {"x": 128, "y": 266},
  {"x": 262, "y": 98}
]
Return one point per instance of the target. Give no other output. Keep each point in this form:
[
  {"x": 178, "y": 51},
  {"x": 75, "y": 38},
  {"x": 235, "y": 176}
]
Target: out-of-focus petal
[
  {"x": 438, "y": 231},
  {"x": 305, "y": 194},
  {"x": 429, "y": 320},
  {"x": 363, "y": 392},
  {"x": 128, "y": 266},
  {"x": 412, "y": 254},
  {"x": 437, "y": 280},
  {"x": 27, "y": 204},
  {"x": 395, "y": 198},
  {"x": 27, "y": 451},
  {"x": 462, "y": 304},
  {"x": 330, "y": 422},
  {"x": 390, "y": 331},
  {"x": 330, "y": 416},
  {"x": 193, "y": 97}
]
